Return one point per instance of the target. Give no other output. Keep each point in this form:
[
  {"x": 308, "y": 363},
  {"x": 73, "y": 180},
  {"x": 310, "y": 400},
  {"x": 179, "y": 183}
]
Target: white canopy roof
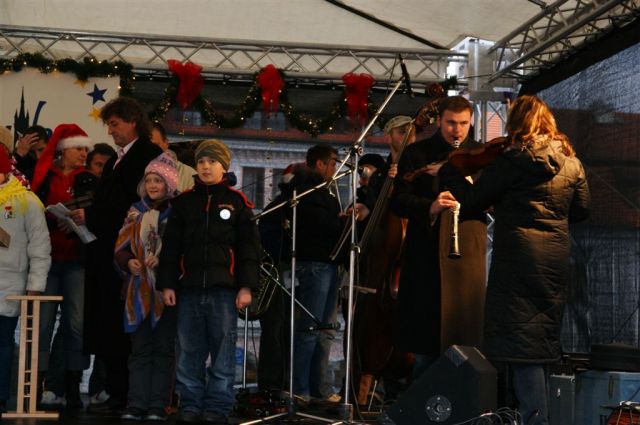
[
  {"x": 444, "y": 22},
  {"x": 317, "y": 38}
]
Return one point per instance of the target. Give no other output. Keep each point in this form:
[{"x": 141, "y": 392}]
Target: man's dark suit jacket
[{"x": 117, "y": 190}]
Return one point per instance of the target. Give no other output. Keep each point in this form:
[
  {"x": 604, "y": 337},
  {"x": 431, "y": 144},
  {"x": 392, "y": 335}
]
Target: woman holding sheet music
[{"x": 60, "y": 177}]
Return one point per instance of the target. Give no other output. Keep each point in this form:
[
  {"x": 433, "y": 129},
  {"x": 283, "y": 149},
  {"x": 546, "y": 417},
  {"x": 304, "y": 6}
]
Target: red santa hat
[
  {"x": 65, "y": 136},
  {"x": 289, "y": 172},
  {"x": 5, "y": 163}
]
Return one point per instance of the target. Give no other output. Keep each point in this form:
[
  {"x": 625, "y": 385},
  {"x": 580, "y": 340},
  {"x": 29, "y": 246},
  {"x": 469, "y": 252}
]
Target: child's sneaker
[
  {"x": 133, "y": 414},
  {"x": 155, "y": 414},
  {"x": 99, "y": 398},
  {"x": 51, "y": 400},
  {"x": 187, "y": 417}
]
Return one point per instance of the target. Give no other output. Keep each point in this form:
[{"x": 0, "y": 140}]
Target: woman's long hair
[{"x": 531, "y": 123}]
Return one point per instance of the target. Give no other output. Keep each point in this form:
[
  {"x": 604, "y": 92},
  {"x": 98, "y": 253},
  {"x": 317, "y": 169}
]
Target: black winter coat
[
  {"x": 535, "y": 194},
  {"x": 421, "y": 327},
  {"x": 116, "y": 191},
  {"x": 318, "y": 218},
  {"x": 210, "y": 240}
]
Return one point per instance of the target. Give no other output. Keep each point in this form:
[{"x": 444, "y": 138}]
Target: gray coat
[
  {"x": 24, "y": 265},
  {"x": 535, "y": 194}
]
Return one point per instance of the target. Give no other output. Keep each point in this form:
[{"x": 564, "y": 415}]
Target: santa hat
[
  {"x": 289, "y": 172},
  {"x": 165, "y": 167},
  {"x": 5, "y": 164},
  {"x": 65, "y": 136}
]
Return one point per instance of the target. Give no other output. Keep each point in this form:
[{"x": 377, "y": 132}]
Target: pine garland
[
  {"x": 90, "y": 67},
  {"x": 84, "y": 70}
]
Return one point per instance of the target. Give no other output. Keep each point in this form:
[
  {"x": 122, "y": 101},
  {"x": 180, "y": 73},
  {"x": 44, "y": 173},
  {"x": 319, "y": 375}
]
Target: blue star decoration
[{"x": 97, "y": 94}]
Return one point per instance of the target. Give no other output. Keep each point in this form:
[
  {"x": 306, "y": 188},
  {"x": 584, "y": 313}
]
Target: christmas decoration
[
  {"x": 191, "y": 81},
  {"x": 87, "y": 68},
  {"x": 97, "y": 94},
  {"x": 268, "y": 88},
  {"x": 271, "y": 84},
  {"x": 357, "y": 88}
]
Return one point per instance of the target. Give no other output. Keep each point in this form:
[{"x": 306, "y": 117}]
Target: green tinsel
[{"x": 84, "y": 70}]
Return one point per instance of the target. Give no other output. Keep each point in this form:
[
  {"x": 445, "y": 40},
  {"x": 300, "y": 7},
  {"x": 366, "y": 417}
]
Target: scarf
[{"x": 141, "y": 234}]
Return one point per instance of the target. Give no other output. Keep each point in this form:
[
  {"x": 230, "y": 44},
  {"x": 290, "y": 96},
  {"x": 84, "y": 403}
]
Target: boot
[
  {"x": 72, "y": 380},
  {"x": 39, "y": 389}
]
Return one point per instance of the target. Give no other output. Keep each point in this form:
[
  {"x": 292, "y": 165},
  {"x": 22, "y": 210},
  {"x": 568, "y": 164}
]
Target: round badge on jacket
[{"x": 225, "y": 214}]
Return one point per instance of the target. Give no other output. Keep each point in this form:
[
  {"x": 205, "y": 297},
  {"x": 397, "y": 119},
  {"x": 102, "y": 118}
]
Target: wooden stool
[{"x": 28, "y": 374}]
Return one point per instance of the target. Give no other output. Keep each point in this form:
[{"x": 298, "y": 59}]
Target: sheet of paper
[{"x": 60, "y": 211}]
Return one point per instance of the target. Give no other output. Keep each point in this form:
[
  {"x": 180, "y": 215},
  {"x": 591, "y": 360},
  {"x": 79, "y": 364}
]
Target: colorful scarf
[{"x": 141, "y": 234}]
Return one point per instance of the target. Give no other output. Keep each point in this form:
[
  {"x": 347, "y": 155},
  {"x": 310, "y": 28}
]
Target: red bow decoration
[
  {"x": 271, "y": 84},
  {"x": 191, "y": 81},
  {"x": 357, "y": 88}
]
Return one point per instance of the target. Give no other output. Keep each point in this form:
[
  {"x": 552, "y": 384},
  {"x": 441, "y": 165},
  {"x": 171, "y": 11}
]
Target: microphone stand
[
  {"x": 346, "y": 408},
  {"x": 293, "y": 202}
]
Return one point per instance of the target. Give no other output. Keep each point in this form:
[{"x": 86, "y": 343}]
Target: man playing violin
[{"x": 440, "y": 300}]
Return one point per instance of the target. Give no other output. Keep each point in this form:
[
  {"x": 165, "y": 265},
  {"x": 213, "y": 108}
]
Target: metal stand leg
[{"x": 244, "y": 357}]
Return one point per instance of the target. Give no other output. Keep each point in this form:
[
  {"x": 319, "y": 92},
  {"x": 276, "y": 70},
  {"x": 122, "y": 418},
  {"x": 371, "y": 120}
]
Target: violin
[{"x": 469, "y": 161}]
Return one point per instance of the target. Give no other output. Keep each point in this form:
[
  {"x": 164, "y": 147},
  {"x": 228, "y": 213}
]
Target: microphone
[
  {"x": 457, "y": 143},
  {"x": 351, "y": 167},
  {"x": 322, "y": 327},
  {"x": 405, "y": 76}
]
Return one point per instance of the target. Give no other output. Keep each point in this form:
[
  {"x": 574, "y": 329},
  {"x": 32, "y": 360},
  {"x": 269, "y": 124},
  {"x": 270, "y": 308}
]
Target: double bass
[{"x": 378, "y": 274}]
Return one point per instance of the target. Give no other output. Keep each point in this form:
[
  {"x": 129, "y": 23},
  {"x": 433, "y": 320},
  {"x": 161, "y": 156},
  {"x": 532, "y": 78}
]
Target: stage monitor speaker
[{"x": 460, "y": 385}]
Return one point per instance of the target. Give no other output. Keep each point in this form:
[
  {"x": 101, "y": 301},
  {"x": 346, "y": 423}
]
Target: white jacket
[{"x": 25, "y": 264}]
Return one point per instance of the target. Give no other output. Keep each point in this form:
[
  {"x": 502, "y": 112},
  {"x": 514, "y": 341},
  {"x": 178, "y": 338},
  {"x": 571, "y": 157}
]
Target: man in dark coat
[
  {"x": 537, "y": 187},
  {"x": 317, "y": 232},
  {"x": 117, "y": 190},
  {"x": 440, "y": 301}
]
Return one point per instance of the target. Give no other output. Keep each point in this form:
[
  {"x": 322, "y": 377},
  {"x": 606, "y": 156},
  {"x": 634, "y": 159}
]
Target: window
[
  {"x": 253, "y": 185},
  {"x": 276, "y": 178}
]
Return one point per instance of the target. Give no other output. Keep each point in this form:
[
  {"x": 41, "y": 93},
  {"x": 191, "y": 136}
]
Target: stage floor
[{"x": 328, "y": 412}]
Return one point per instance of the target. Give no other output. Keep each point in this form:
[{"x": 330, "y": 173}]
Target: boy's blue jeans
[{"x": 207, "y": 324}]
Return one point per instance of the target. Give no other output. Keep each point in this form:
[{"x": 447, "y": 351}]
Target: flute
[{"x": 454, "y": 246}]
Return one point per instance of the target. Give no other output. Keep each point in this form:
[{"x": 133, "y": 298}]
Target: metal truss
[
  {"x": 485, "y": 112},
  {"x": 229, "y": 58},
  {"x": 556, "y": 32}
]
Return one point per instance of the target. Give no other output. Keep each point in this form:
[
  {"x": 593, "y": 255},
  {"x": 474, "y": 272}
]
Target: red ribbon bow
[
  {"x": 191, "y": 81},
  {"x": 271, "y": 84},
  {"x": 357, "y": 88}
]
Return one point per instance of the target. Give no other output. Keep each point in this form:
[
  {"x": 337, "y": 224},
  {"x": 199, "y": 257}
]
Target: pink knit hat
[{"x": 164, "y": 166}]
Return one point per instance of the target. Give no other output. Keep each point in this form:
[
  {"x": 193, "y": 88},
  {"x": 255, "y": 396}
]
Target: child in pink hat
[{"x": 151, "y": 325}]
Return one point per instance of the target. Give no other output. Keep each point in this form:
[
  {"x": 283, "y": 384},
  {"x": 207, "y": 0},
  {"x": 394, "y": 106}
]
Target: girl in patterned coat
[{"x": 151, "y": 325}]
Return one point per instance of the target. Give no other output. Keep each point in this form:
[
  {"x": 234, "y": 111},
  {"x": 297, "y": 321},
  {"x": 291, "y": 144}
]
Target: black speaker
[{"x": 460, "y": 385}]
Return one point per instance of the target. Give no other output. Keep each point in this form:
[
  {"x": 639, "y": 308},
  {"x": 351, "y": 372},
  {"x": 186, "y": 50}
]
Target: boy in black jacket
[{"x": 208, "y": 264}]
